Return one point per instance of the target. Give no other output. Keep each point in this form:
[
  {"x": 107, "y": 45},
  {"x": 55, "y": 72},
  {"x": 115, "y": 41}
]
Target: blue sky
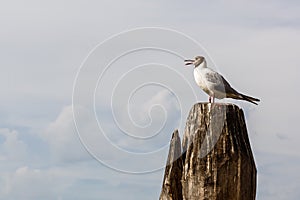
[{"x": 254, "y": 44}]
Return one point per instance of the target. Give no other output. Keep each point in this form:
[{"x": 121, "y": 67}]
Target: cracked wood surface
[{"x": 216, "y": 160}]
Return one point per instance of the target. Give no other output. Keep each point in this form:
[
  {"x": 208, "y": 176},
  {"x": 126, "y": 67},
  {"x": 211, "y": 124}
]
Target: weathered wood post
[
  {"x": 172, "y": 188},
  {"x": 216, "y": 162}
]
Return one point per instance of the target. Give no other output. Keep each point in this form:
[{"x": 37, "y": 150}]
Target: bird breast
[{"x": 200, "y": 80}]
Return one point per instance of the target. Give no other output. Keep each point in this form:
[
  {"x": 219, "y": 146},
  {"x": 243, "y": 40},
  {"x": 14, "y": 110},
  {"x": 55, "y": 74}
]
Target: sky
[{"x": 91, "y": 91}]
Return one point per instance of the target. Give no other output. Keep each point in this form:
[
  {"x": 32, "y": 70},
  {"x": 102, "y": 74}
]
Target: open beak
[{"x": 189, "y": 62}]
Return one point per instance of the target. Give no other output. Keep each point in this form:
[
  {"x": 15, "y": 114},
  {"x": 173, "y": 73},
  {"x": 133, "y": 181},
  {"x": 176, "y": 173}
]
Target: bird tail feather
[{"x": 250, "y": 99}]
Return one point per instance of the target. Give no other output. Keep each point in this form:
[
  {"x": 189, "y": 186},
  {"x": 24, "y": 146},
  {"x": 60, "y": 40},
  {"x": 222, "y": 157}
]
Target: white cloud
[
  {"x": 28, "y": 184},
  {"x": 85, "y": 180},
  {"x": 158, "y": 116},
  {"x": 12, "y": 148},
  {"x": 255, "y": 45},
  {"x": 61, "y": 135}
]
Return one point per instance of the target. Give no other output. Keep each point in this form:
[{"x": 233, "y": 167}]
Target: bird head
[{"x": 196, "y": 62}]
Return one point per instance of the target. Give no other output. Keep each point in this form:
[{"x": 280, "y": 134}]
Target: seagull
[{"x": 213, "y": 83}]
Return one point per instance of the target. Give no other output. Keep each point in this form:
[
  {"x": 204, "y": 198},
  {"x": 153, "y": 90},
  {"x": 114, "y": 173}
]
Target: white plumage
[{"x": 214, "y": 83}]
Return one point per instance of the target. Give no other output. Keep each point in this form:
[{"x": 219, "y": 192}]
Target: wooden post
[
  {"x": 172, "y": 179},
  {"x": 216, "y": 161}
]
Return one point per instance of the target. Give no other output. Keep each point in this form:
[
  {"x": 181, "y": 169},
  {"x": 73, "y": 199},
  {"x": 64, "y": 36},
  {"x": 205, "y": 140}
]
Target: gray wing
[{"x": 219, "y": 83}]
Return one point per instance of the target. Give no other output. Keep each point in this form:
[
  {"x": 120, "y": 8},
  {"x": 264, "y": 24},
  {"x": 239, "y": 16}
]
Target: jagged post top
[
  {"x": 211, "y": 117},
  {"x": 226, "y": 171}
]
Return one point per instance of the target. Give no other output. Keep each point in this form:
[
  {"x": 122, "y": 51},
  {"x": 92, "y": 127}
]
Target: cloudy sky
[{"x": 126, "y": 109}]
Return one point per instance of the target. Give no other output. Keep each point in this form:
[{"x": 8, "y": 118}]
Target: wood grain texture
[
  {"x": 216, "y": 160},
  {"x": 172, "y": 188}
]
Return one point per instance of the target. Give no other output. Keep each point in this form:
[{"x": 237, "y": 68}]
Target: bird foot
[{"x": 211, "y": 99}]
